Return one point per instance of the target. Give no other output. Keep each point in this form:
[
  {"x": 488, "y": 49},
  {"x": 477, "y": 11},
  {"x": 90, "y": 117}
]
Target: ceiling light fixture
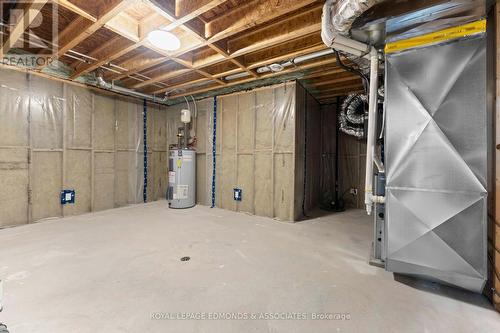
[{"x": 164, "y": 40}]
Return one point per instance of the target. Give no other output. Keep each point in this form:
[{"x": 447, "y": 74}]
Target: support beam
[
  {"x": 186, "y": 10},
  {"x": 80, "y": 29},
  {"x": 179, "y": 85},
  {"x": 333, "y": 92},
  {"x": 332, "y": 98},
  {"x": 31, "y": 11},
  {"x": 126, "y": 26},
  {"x": 75, "y": 9},
  {"x": 187, "y": 65},
  {"x": 320, "y": 84},
  {"x": 161, "y": 77},
  {"x": 138, "y": 64},
  {"x": 250, "y": 15},
  {"x": 259, "y": 59},
  {"x": 322, "y": 64},
  {"x": 297, "y": 25},
  {"x": 107, "y": 53},
  {"x": 234, "y": 61},
  {"x": 294, "y": 26}
]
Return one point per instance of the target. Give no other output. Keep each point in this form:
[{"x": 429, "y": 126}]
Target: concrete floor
[{"x": 112, "y": 271}]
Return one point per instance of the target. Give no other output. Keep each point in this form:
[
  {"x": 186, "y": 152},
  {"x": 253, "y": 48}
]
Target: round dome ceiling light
[{"x": 164, "y": 40}]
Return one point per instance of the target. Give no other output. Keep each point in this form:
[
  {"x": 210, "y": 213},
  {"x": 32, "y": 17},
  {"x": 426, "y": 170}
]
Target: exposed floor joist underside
[{"x": 224, "y": 44}]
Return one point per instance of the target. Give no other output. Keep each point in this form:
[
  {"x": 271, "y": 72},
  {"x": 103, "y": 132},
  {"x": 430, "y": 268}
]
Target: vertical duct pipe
[{"x": 372, "y": 123}]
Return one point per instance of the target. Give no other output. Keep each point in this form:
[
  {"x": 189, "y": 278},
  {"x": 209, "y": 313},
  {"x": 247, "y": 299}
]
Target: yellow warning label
[{"x": 469, "y": 29}]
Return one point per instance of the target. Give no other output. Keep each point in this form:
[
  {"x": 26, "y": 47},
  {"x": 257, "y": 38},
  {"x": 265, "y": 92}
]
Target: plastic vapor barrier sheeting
[
  {"x": 255, "y": 150},
  {"x": 56, "y": 136}
]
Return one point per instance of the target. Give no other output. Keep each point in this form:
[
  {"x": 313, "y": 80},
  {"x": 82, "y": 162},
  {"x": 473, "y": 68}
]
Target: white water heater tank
[{"x": 181, "y": 191}]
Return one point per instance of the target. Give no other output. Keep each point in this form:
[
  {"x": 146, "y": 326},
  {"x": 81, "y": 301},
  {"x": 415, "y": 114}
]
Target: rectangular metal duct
[{"x": 437, "y": 162}]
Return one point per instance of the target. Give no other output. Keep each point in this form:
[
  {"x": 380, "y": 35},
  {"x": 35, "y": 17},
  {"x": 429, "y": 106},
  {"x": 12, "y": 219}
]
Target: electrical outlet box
[
  {"x": 67, "y": 197},
  {"x": 237, "y": 194}
]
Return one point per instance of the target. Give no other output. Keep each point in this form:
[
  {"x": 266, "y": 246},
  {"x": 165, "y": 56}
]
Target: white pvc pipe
[{"x": 372, "y": 122}]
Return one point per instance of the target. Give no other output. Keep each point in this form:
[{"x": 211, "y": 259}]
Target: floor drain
[{"x": 185, "y": 258}]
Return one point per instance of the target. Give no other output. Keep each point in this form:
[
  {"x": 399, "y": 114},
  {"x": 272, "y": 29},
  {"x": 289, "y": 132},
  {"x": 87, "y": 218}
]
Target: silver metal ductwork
[
  {"x": 347, "y": 11},
  {"x": 437, "y": 126},
  {"x": 437, "y": 129},
  {"x": 352, "y": 115},
  {"x": 339, "y": 39}
]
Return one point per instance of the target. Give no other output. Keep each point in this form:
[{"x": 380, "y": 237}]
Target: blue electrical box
[
  {"x": 237, "y": 194},
  {"x": 67, "y": 197}
]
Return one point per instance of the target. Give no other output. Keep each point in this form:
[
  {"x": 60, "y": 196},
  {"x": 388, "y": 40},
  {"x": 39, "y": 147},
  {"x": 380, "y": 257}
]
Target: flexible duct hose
[{"x": 352, "y": 115}]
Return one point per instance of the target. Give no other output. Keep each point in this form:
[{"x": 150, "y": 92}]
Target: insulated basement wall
[
  {"x": 308, "y": 153},
  {"x": 255, "y": 146},
  {"x": 255, "y": 150},
  {"x": 352, "y": 156},
  {"x": 55, "y": 136},
  {"x": 260, "y": 142}
]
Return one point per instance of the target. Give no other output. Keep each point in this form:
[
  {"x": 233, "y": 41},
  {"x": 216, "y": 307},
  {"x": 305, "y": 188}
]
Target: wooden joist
[
  {"x": 218, "y": 38},
  {"x": 323, "y": 63},
  {"x": 75, "y": 9},
  {"x": 106, "y": 54},
  {"x": 250, "y": 15},
  {"x": 82, "y": 28}
]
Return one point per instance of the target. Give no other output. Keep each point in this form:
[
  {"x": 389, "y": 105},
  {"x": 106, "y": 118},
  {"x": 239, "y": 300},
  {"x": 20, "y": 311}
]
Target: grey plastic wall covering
[
  {"x": 56, "y": 136},
  {"x": 437, "y": 162}
]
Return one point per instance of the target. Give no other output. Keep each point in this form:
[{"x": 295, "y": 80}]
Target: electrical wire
[
  {"x": 187, "y": 102},
  {"x": 366, "y": 82},
  {"x": 195, "y": 106},
  {"x": 195, "y": 122}
]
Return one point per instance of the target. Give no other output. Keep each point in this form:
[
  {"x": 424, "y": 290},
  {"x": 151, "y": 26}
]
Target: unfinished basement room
[{"x": 267, "y": 166}]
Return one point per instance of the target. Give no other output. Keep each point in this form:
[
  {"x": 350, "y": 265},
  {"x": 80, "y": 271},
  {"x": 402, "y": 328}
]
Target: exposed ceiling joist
[
  {"x": 219, "y": 38},
  {"x": 75, "y": 9},
  {"x": 306, "y": 22},
  {"x": 180, "y": 85},
  {"x": 162, "y": 77},
  {"x": 80, "y": 29},
  {"x": 339, "y": 93},
  {"x": 299, "y": 68},
  {"x": 106, "y": 54},
  {"x": 301, "y": 24},
  {"x": 327, "y": 82},
  {"x": 186, "y": 10},
  {"x": 333, "y": 92},
  {"x": 250, "y": 15},
  {"x": 125, "y": 26}
]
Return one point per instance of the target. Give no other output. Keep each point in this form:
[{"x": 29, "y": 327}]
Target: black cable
[
  {"x": 337, "y": 173},
  {"x": 366, "y": 82},
  {"x": 305, "y": 161}
]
